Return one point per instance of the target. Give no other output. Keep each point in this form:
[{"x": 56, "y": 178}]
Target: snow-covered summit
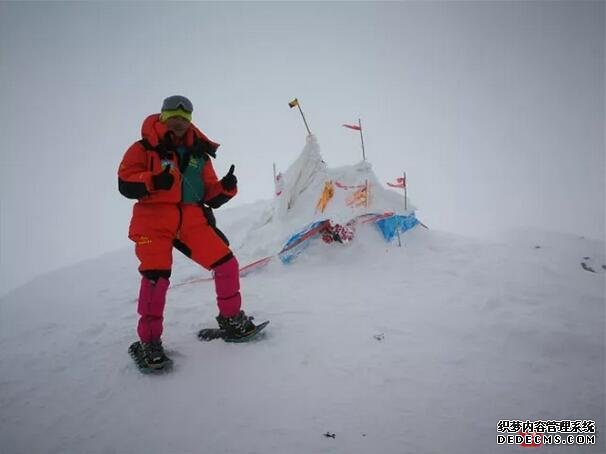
[
  {"x": 313, "y": 191},
  {"x": 421, "y": 348},
  {"x": 305, "y": 180}
]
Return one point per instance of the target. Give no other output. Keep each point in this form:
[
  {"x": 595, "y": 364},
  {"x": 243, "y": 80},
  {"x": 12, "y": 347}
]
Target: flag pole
[
  {"x": 362, "y": 139},
  {"x": 304, "y": 120},
  {"x": 405, "y": 194},
  {"x": 295, "y": 102}
]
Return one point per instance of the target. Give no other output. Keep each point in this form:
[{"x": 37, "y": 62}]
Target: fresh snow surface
[{"x": 415, "y": 349}]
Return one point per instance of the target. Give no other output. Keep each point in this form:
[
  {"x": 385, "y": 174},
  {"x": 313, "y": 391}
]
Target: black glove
[
  {"x": 163, "y": 180},
  {"x": 229, "y": 181}
]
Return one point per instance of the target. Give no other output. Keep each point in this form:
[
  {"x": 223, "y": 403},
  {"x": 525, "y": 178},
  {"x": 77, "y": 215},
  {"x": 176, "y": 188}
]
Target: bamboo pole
[
  {"x": 295, "y": 102},
  {"x": 362, "y": 139},
  {"x": 405, "y": 194},
  {"x": 304, "y": 120}
]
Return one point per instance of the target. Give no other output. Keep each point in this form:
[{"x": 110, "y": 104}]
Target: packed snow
[{"x": 373, "y": 347}]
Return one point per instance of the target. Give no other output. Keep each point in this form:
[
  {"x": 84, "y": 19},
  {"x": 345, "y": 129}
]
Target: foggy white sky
[{"x": 494, "y": 109}]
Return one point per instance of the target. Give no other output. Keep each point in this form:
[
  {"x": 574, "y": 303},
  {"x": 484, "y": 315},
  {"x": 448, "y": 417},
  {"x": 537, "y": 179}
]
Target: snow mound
[{"x": 304, "y": 183}]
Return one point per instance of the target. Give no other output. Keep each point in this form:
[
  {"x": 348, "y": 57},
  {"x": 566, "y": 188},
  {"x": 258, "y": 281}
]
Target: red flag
[
  {"x": 356, "y": 127},
  {"x": 400, "y": 183}
]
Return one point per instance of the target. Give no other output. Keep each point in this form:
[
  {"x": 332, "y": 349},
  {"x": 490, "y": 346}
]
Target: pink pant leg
[
  {"x": 152, "y": 299},
  {"x": 227, "y": 286}
]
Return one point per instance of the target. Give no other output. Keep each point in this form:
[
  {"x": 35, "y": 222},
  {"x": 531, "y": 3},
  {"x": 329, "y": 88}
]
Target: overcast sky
[{"x": 494, "y": 109}]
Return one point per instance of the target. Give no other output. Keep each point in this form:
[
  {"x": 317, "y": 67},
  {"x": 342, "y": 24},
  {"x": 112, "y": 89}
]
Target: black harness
[
  {"x": 200, "y": 149},
  {"x": 166, "y": 148}
]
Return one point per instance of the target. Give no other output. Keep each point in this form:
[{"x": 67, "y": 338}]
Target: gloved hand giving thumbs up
[
  {"x": 229, "y": 181},
  {"x": 163, "y": 180}
]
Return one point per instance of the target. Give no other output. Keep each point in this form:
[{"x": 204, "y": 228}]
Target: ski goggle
[
  {"x": 177, "y": 102},
  {"x": 166, "y": 114}
]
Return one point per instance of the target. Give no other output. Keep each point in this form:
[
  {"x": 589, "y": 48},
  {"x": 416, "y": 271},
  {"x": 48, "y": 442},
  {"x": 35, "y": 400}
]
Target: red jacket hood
[{"x": 153, "y": 130}]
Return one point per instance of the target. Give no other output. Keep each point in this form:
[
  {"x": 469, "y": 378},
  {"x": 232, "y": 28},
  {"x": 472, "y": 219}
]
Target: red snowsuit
[
  {"x": 159, "y": 217},
  {"x": 162, "y": 221}
]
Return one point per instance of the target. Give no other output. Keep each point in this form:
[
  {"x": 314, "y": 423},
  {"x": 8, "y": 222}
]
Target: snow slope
[
  {"x": 473, "y": 333},
  {"x": 413, "y": 349}
]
